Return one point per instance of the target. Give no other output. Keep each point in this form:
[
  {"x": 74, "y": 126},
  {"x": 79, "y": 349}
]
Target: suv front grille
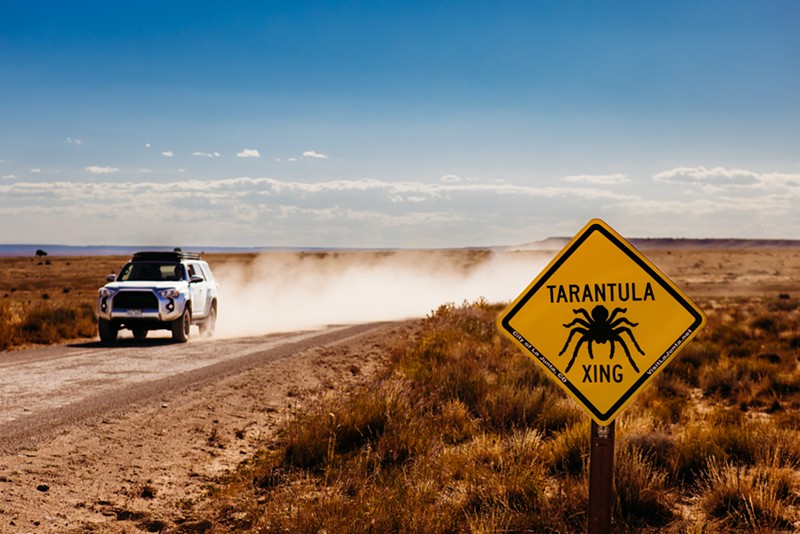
[{"x": 135, "y": 300}]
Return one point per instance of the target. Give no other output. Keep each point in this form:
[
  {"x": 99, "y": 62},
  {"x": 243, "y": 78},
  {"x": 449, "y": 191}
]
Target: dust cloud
[{"x": 286, "y": 292}]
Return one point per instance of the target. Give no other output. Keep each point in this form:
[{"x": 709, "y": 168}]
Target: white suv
[{"x": 159, "y": 291}]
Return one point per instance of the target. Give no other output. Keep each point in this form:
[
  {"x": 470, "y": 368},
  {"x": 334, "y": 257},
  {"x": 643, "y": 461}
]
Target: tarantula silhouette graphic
[{"x": 601, "y": 327}]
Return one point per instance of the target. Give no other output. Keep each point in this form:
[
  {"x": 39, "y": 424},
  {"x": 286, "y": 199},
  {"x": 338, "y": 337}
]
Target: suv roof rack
[{"x": 173, "y": 256}]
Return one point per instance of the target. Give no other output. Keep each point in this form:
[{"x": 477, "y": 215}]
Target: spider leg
[
  {"x": 578, "y": 321},
  {"x": 584, "y": 313},
  {"x": 627, "y": 352},
  {"x": 614, "y": 313},
  {"x": 619, "y": 331},
  {"x": 574, "y": 354},
  {"x": 591, "y": 354},
  {"x": 622, "y": 320},
  {"x": 572, "y": 332},
  {"x": 611, "y": 353}
]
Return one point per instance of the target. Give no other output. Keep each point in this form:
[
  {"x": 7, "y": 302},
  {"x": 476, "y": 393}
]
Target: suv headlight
[
  {"x": 170, "y": 293},
  {"x": 105, "y": 292}
]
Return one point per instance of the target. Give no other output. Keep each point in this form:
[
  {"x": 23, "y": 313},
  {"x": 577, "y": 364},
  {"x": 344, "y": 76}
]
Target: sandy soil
[
  {"x": 763, "y": 272},
  {"x": 144, "y": 467}
]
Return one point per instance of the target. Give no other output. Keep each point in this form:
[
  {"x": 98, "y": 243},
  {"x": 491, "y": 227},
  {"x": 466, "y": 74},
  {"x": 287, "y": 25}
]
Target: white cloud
[
  {"x": 597, "y": 179},
  {"x": 147, "y": 145},
  {"x": 704, "y": 206},
  {"x": 705, "y": 175},
  {"x": 206, "y": 154},
  {"x": 450, "y": 178},
  {"x": 36, "y": 170},
  {"x": 434, "y": 191},
  {"x": 291, "y": 159},
  {"x": 443, "y": 212},
  {"x": 8, "y": 177},
  {"x": 379, "y": 190},
  {"x": 73, "y": 141},
  {"x": 248, "y": 153},
  {"x": 95, "y": 169},
  {"x": 717, "y": 180},
  {"x": 314, "y": 155},
  {"x": 168, "y": 153}
]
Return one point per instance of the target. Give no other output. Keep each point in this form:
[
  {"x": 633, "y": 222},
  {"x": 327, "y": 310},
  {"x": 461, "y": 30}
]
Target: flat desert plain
[{"x": 157, "y": 463}]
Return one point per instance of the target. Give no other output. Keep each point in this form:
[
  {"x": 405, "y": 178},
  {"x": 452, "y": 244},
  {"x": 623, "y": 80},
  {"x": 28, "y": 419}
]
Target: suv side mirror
[
  {"x": 195, "y": 279},
  {"x": 111, "y": 278}
]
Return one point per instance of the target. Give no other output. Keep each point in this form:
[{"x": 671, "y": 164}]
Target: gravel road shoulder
[{"x": 146, "y": 467}]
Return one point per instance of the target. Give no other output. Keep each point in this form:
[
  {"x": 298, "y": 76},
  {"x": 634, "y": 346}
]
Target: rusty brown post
[{"x": 601, "y": 479}]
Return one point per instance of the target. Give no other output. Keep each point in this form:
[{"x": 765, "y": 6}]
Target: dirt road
[{"x": 125, "y": 438}]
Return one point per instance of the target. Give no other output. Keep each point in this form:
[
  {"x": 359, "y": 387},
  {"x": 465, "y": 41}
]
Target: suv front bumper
[{"x": 139, "y": 306}]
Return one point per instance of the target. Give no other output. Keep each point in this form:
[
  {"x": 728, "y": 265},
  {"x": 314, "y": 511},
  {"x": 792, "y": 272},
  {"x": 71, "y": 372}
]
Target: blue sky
[{"x": 396, "y": 124}]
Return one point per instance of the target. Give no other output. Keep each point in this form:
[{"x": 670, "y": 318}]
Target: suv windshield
[{"x": 151, "y": 272}]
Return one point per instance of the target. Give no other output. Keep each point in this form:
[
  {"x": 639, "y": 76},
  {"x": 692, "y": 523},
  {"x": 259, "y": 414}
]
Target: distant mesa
[
  {"x": 551, "y": 243},
  {"x": 669, "y": 243}
]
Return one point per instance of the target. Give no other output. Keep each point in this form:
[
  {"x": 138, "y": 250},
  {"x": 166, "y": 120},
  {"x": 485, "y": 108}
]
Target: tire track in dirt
[{"x": 110, "y": 397}]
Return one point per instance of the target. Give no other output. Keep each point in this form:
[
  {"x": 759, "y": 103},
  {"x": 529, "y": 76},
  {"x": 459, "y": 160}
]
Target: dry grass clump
[
  {"x": 643, "y": 494},
  {"x": 45, "y": 324},
  {"x": 749, "y": 499},
  {"x": 740, "y": 440},
  {"x": 747, "y": 357},
  {"x": 43, "y": 302}
]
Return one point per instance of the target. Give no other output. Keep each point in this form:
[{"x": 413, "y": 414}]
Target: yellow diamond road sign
[{"x": 602, "y": 320}]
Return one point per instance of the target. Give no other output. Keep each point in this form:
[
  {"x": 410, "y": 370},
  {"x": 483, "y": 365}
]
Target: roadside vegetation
[
  {"x": 46, "y": 300},
  {"x": 464, "y": 434}
]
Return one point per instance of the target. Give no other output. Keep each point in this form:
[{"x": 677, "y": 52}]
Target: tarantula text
[{"x": 605, "y": 292}]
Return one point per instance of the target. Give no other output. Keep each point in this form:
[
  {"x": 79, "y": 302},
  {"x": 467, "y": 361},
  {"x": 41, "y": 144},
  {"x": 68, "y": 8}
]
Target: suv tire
[
  {"x": 208, "y": 326},
  {"x": 107, "y": 330},
  {"x": 180, "y": 326}
]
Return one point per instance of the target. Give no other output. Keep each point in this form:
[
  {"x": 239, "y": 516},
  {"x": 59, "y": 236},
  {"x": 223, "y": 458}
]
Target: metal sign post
[{"x": 601, "y": 479}]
